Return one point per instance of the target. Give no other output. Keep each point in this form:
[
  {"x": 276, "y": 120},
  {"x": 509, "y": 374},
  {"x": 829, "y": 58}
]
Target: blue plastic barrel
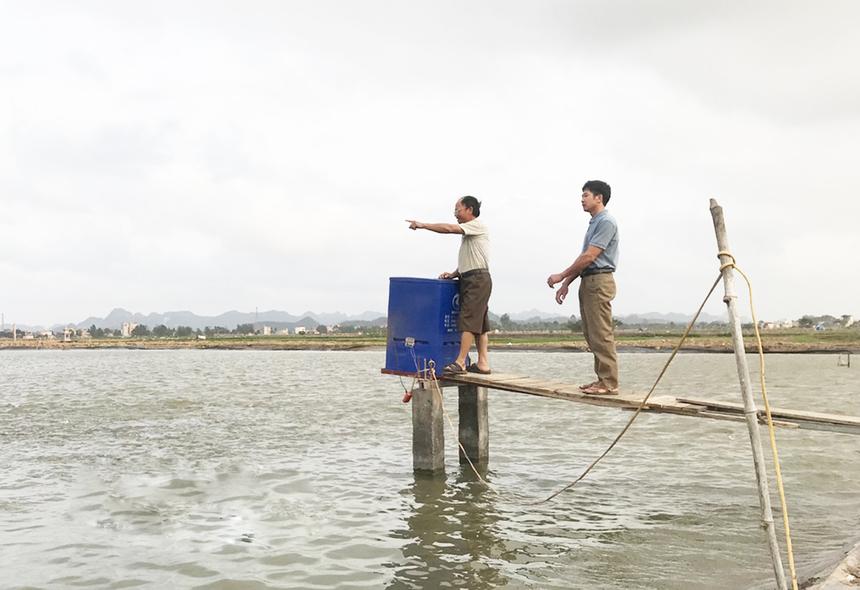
[{"x": 422, "y": 324}]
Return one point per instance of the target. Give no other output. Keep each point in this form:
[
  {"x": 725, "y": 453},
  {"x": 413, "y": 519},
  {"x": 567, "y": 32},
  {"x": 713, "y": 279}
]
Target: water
[{"x": 256, "y": 469}]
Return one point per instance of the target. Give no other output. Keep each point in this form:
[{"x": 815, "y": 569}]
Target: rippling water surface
[{"x": 255, "y": 469}]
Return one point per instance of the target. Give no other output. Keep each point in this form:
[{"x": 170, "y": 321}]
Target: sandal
[
  {"x": 600, "y": 389},
  {"x": 454, "y": 369},
  {"x": 475, "y": 369},
  {"x": 588, "y": 385}
]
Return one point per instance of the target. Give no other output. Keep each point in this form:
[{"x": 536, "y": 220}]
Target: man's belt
[{"x": 595, "y": 271}]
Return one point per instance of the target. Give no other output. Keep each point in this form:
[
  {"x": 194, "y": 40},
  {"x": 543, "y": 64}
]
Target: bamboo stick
[{"x": 750, "y": 411}]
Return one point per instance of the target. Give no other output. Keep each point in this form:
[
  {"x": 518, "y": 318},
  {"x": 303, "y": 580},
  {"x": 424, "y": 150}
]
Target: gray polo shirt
[{"x": 602, "y": 233}]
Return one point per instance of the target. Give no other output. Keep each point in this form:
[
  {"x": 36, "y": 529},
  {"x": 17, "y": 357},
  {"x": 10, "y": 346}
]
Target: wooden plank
[
  {"x": 780, "y": 412},
  {"x": 657, "y": 404},
  {"x": 484, "y": 379}
]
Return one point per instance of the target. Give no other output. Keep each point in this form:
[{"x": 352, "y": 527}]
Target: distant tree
[
  {"x": 806, "y": 321},
  {"x": 183, "y": 332},
  {"x": 245, "y": 329},
  {"x": 162, "y": 331},
  {"x": 506, "y": 323},
  {"x": 322, "y": 329},
  {"x": 140, "y": 330},
  {"x": 214, "y": 330},
  {"x": 96, "y": 332},
  {"x": 573, "y": 324}
]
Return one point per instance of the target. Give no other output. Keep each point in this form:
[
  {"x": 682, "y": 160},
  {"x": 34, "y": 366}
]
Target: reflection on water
[
  {"x": 451, "y": 538},
  {"x": 252, "y": 469}
]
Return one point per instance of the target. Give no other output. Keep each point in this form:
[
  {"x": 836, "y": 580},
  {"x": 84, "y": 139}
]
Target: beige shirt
[{"x": 474, "y": 247}]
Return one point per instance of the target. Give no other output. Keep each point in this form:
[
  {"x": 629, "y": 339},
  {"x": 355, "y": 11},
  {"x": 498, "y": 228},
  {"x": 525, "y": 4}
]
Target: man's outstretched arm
[{"x": 439, "y": 228}]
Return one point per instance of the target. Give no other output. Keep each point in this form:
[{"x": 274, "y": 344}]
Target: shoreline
[{"x": 699, "y": 345}]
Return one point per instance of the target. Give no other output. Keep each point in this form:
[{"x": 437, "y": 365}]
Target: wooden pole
[{"x": 750, "y": 412}]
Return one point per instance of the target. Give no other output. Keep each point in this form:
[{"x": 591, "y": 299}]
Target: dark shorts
[{"x": 475, "y": 289}]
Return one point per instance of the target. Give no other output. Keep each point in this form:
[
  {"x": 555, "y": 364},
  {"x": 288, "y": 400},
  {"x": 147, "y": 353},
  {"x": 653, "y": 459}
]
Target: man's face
[
  {"x": 589, "y": 201},
  {"x": 461, "y": 212}
]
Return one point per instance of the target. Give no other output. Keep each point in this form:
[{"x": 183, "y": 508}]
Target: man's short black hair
[
  {"x": 473, "y": 204},
  {"x": 598, "y": 187}
]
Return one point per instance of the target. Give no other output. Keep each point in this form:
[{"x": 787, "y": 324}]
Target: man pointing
[{"x": 474, "y": 281}]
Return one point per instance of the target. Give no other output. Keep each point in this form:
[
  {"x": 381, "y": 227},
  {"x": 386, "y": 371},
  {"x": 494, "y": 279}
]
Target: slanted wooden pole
[
  {"x": 750, "y": 412},
  {"x": 428, "y": 432},
  {"x": 474, "y": 427}
]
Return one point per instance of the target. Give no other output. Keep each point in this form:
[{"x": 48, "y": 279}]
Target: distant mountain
[{"x": 230, "y": 319}]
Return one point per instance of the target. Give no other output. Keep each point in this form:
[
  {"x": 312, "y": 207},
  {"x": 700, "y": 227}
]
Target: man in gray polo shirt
[{"x": 595, "y": 267}]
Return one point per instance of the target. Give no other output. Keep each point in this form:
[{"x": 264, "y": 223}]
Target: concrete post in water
[
  {"x": 428, "y": 433},
  {"x": 474, "y": 424},
  {"x": 750, "y": 412}
]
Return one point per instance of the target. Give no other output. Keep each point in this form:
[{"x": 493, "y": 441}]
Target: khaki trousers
[{"x": 596, "y": 293}]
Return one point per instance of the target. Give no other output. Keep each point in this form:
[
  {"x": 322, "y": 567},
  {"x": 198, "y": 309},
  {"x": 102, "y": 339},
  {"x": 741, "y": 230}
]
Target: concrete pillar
[
  {"x": 474, "y": 424},
  {"x": 428, "y": 432}
]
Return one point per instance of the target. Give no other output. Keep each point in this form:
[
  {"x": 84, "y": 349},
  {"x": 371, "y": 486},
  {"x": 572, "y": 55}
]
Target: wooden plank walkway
[{"x": 656, "y": 404}]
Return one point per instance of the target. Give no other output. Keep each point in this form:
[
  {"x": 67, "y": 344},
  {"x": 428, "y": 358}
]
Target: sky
[{"x": 212, "y": 156}]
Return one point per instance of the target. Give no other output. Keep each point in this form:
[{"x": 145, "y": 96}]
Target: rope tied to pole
[
  {"x": 727, "y": 264},
  {"x": 770, "y": 427}
]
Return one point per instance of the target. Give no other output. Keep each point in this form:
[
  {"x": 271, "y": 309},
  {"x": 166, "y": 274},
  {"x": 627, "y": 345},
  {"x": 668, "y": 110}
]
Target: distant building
[
  {"x": 777, "y": 325},
  {"x": 301, "y": 330},
  {"x": 267, "y": 330},
  {"x": 127, "y": 329}
]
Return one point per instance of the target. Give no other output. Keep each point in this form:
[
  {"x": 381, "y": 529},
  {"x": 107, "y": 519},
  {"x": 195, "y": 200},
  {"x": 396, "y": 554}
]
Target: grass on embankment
[{"x": 795, "y": 340}]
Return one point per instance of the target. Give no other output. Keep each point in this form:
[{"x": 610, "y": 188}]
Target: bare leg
[
  {"x": 466, "y": 340},
  {"x": 484, "y": 351}
]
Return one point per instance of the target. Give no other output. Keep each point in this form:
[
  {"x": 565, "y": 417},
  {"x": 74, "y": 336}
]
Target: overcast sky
[{"x": 209, "y": 156}]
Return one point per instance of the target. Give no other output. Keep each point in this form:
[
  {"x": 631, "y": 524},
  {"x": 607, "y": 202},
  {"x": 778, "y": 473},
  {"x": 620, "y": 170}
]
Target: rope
[
  {"x": 770, "y": 428},
  {"x": 641, "y": 404}
]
